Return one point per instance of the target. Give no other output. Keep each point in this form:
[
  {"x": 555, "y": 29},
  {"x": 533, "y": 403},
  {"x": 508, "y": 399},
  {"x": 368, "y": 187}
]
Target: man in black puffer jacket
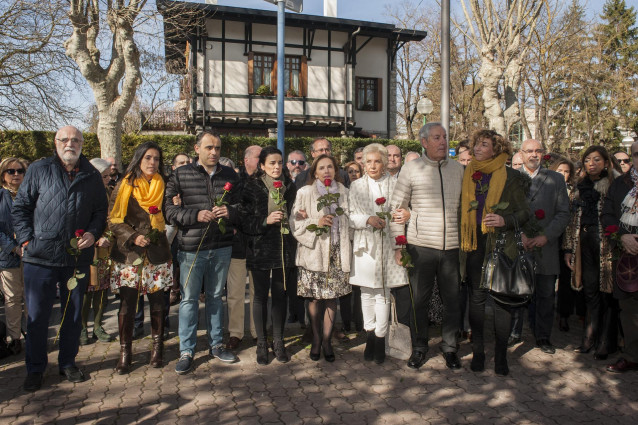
[
  {"x": 204, "y": 250},
  {"x": 61, "y": 197}
]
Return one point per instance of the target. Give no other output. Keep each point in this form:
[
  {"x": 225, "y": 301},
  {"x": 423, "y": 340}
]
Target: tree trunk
[
  {"x": 109, "y": 134},
  {"x": 490, "y": 75}
]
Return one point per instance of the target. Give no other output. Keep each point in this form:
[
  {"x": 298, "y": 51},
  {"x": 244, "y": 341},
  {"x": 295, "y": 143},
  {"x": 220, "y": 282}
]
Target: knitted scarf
[
  {"x": 494, "y": 166},
  {"x": 269, "y": 183},
  {"x": 146, "y": 194}
]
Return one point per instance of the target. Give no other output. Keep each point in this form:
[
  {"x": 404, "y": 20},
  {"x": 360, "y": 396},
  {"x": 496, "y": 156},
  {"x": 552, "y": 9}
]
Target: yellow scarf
[
  {"x": 146, "y": 194},
  {"x": 496, "y": 167}
]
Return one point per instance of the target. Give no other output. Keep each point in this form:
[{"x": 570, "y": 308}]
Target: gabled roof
[{"x": 180, "y": 19}]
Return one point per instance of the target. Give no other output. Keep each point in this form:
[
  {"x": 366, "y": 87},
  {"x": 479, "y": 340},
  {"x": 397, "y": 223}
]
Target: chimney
[{"x": 330, "y": 8}]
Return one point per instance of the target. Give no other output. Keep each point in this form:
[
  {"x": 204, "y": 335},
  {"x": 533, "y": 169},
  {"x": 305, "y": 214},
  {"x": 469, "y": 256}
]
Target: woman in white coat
[
  {"x": 323, "y": 260},
  {"x": 373, "y": 266}
]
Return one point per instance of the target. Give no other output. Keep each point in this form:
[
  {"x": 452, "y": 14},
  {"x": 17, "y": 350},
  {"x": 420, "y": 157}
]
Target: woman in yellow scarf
[
  {"x": 493, "y": 199},
  {"x": 141, "y": 254}
]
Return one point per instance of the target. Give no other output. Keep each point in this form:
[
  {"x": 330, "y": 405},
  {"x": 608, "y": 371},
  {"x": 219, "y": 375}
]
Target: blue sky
[{"x": 374, "y": 10}]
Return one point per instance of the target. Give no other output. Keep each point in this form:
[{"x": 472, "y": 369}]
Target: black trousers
[
  {"x": 478, "y": 297},
  {"x": 430, "y": 266},
  {"x": 264, "y": 283},
  {"x": 602, "y": 309}
]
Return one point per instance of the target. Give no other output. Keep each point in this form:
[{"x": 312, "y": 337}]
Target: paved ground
[{"x": 541, "y": 389}]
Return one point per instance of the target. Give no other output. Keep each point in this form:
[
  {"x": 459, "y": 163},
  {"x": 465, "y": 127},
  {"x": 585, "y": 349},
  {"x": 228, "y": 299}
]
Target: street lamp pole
[
  {"x": 281, "y": 25},
  {"x": 445, "y": 65}
]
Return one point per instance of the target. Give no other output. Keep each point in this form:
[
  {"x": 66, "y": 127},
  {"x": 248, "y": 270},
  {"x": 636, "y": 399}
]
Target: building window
[
  {"x": 368, "y": 96},
  {"x": 262, "y": 70},
  {"x": 292, "y": 72}
]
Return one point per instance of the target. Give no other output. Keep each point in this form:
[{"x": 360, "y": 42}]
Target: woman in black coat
[{"x": 267, "y": 200}]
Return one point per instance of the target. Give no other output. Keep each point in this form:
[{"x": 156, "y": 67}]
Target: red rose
[
  {"x": 228, "y": 186},
  {"x": 153, "y": 209},
  {"x": 612, "y": 228},
  {"x": 277, "y": 184},
  {"x": 380, "y": 201},
  {"x": 540, "y": 214},
  {"x": 547, "y": 157},
  {"x": 401, "y": 240},
  {"x": 477, "y": 176},
  {"x": 327, "y": 182},
  {"x": 79, "y": 233}
]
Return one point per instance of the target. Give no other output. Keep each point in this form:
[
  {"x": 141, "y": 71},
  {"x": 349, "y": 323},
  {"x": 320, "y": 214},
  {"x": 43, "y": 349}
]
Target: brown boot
[
  {"x": 126, "y": 338},
  {"x": 157, "y": 332}
]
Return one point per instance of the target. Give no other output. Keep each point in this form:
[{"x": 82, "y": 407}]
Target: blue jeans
[
  {"x": 39, "y": 289},
  {"x": 210, "y": 269}
]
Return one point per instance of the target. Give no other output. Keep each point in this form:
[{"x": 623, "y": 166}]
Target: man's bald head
[{"x": 251, "y": 158}]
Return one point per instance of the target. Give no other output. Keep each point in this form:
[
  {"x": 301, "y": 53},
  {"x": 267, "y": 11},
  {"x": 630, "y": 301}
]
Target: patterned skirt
[
  {"x": 324, "y": 285},
  {"x": 154, "y": 277}
]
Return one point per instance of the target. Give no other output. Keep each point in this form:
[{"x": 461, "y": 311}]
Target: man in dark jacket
[
  {"x": 61, "y": 199},
  {"x": 205, "y": 239}
]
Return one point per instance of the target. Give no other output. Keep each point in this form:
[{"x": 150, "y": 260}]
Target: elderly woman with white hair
[
  {"x": 373, "y": 266},
  {"x": 96, "y": 295}
]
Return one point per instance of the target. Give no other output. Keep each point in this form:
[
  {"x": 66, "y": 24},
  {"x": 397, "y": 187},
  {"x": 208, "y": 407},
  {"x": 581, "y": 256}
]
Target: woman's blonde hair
[
  {"x": 499, "y": 143},
  {"x": 4, "y": 165},
  {"x": 374, "y": 148}
]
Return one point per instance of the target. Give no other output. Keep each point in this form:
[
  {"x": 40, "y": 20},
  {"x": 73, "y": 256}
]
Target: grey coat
[{"x": 548, "y": 192}]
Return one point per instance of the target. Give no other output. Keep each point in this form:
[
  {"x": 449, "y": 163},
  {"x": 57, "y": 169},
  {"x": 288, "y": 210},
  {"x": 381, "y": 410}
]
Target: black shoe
[
  {"x": 292, "y": 318},
  {"x": 280, "y": 351},
  {"x": 328, "y": 354},
  {"x": 478, "y": 362},
  {"x": 513, "y": 340},
  {"x": 73, "y": 374},
  {"x": 368, "y": 353},
  {"x": 315, "y": 356},
  {"x": 262, "y": 353},
  {"x": 452, "y": 361},
  {"x": 545, "y": 346},
  {"x": 585, "y": 347},
  {"x": 33, "y": 381},
  {"x": 416, "y": 360}
]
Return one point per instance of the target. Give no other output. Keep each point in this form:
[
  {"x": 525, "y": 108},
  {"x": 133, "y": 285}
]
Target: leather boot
[
  {"x": 379, "y": 349},
  {"x": 157, "y": 332},
  {"x": 125, "y": 324},
  {"x": 368, "y": 353}
]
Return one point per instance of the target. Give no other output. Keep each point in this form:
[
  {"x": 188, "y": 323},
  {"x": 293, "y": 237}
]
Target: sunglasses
[
  {"x": 297, "y": 161},
  {"x": 12, "y": 171},
  {"x": 624, "y": 161}
]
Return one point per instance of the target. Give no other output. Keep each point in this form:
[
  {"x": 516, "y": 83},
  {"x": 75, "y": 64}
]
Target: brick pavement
[{"x": 565, "y": 388}]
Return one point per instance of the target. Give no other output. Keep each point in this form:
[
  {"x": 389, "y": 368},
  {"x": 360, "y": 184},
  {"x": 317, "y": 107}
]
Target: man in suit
[{"x": 549, "y": 204}]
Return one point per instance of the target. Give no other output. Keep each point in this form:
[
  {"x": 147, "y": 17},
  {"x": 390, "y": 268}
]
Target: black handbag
[{"x": 508, "y": 281}]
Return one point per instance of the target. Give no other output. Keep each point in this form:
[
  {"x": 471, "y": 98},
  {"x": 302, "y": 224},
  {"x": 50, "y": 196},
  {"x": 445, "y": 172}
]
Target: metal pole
[
  {"x": 445, "y": 65},
  {"x": 281, "y": 65}
]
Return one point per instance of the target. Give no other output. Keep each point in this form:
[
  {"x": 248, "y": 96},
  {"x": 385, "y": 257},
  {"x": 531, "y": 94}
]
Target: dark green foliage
[{"x": 32, "y": 145}]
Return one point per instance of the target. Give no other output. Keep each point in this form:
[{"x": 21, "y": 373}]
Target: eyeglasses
[
  {"x": 12, "y": 171},
  {"x": 66, "y": 140},
  {"x": 297, "y": 161},
  {"x": 531, "y": 151},
  {"x": 624, "y": 161}
]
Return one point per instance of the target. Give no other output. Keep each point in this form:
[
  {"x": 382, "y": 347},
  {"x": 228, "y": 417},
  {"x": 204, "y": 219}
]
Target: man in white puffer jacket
[{"x": 431, "y": 188}]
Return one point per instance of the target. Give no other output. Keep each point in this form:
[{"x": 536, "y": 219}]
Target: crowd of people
[{"x": 316, "y": 239}]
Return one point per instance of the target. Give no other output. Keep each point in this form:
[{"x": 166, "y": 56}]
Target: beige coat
[
  {"x": 432, "y": 191},
  {"x": 312, "y": 250}
]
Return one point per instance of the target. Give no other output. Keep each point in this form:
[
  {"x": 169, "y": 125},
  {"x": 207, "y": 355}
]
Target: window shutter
[
  {"x": 379, "y": 94},
  {"x": 273, "y": 78},
  {"x": 303, "y": 84},
  {"x": 251, "y": 57}
]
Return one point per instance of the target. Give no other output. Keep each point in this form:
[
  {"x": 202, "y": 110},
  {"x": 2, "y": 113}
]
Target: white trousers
[{"x": 376, "y": 310}]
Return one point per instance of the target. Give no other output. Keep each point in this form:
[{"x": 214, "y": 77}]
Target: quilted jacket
[
  {"x": 49, "y": 208},
  {"x": 198, "y": 191},
  {"x": 8, "y": 258},
  {"x": 264, "y": 240}
]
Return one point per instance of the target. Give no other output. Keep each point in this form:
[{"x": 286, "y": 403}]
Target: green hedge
[{"x": 32, "y": 145}]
